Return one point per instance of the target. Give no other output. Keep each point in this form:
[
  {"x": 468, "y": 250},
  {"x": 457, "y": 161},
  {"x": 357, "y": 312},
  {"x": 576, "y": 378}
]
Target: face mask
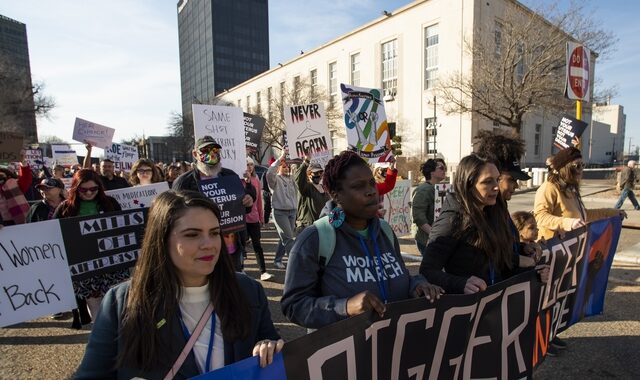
[
  {"x": 209, "y": 158},
  {"x": 2, "y": 181},
  {"x": 316, "y": 179}
]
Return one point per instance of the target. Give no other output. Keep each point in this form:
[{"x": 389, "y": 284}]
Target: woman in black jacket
[{"x": 52, "y": 191}]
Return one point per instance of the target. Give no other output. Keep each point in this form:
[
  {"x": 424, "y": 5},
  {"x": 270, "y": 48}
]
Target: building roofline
[{"x": 10, "y": 19}]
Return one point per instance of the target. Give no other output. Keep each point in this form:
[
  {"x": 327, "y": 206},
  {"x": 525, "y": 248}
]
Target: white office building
[{"x": 404, "y": 52}]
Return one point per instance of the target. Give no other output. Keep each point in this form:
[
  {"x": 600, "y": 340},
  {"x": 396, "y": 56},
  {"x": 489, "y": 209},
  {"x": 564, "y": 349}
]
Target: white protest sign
[
  {"x": 138, "y": 196},
  {"x": 226, "y": 126},
  {"x": 398, "y": 211},
  {"x": 307, "y": 130},
  {"x": 33, "y": 158},
  {"x": 122, "y": 155},
  {"x": 366, "y": 122},
  {"x": 96, "y": 134},
  {"x": 441, "y": 190},
  {"x": 34, "y": 272},
  {"x": 64, "y": 155}
]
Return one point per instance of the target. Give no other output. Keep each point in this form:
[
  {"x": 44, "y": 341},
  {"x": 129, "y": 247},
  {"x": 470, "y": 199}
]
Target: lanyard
[
  {"x": 378, "y": 262},
  {"x": 492, "y": 273},
  {"x": 187, "y": 335}
]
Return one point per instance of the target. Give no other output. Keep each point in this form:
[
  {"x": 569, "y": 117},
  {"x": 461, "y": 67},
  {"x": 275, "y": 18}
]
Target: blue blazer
[{"x": 104, "y": 343}]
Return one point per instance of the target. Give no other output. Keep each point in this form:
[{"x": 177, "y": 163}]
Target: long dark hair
[
  {"x": 486, "y": 227},
  {"x": 71, "y": 206},
  {"x": 156, "y": 288},
  {"x": 566, "y": 179}
]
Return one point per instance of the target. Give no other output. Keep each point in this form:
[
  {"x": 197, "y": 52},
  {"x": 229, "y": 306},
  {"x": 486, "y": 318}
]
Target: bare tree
[
  {"x": 299, "y": 93},
  {"x": 519, "y": 63}
]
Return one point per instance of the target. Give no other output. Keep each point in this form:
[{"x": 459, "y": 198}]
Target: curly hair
[
  {"x": 499, "y": 146},
  {"x": 336, "y": 168},
  {"x": 521, "y": 218}
]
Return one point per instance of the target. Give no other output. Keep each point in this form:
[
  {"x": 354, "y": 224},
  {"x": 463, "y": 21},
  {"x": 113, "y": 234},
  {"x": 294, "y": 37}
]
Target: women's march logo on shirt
[{"x": 363, "y": 269}]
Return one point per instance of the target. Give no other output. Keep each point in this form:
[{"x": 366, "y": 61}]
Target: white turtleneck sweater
[{"x": 192, "y": 304}]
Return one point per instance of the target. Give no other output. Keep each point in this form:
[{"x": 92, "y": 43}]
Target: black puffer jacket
[{"x": 455, "y": 255}]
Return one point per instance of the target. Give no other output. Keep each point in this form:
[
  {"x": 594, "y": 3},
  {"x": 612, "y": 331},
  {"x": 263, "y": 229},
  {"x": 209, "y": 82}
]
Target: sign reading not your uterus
[
  {"x": 95, "y": 134},
  {"x": 308, "y": 132},
  {"x": 226, "y": 126},
  {"x": 366, "y": 122}
]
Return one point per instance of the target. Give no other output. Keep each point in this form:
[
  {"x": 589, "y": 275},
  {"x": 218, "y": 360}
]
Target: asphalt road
[{"x": 605, "y": 346}]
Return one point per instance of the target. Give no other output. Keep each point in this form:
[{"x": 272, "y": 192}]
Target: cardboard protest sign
[
  {"x": 441, "y": 190},
  {"x": 96, "y": 134},
  {"x": 103, "y": 243},
  {"x": 122, "y": 155},
  {"x": 366, "y": 122},
  {"x": 64, "y": 155},
  {"x": 568, "y": 129},
  {"x": 398, "y": 211},
  {"x": 227, "y": 192},
  {"x": 138, "y": 197},
  {"x": 10, "y": 147},
  {"x": 308, "y": 132},
  {"x": 226, "y": 126},
  {"x": 253, "y": 128},
  {"x": 34, "y": 158},
  {"x": 34, "y": 272},
  {"x": 502, "y": 332}
]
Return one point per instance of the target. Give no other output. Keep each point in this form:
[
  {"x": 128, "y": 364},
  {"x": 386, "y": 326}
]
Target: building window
[
  {"x": 333, "y": 84},
  {"x": 497, "y": 35},
  {"x": 355, "y": 69},
  {"x": 248, "y": 103},
  {"x": 520, "y": 64},
  {"x": 282, "y": 90},
  {"x": 314, "y": 81},
  {"x": 239, "y": 102},
  {"x": 536, "y": 139},
  {"x": 430, "y": 133},
  {"x": 258, "y": 100},
  {"x": 431, "y": 40},
  {"x": 296, "y": 83},
  {"x": 390, "y": 67},
  {"x": 269, "y": 100}
]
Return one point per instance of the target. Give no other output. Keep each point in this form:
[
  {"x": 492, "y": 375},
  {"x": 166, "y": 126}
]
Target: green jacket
[{"x": 422, "y": 208}]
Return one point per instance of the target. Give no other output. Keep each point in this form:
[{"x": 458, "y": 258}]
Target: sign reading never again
[{"x": 103, "y": 243}]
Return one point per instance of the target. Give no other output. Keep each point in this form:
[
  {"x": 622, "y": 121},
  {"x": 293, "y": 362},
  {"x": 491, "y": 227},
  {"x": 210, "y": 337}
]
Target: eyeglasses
[
  {"x": 145, "y": 171},
  {"x": 579, "y": 165},
  {"x": 87, "y": 189}
]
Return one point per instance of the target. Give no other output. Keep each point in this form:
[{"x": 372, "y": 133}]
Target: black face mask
[
  {"x": 3, "y": 180},
  {"x": 316, "y": 179}
]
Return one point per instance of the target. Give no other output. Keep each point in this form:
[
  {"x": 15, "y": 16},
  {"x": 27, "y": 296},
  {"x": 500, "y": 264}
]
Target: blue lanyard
[
  {"x": 492, "y": 273},
  {"x": 187, "y": 336},
  {"x": 379, "y": 282}
]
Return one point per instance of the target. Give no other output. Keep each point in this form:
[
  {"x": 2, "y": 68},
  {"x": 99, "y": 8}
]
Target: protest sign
[
  {"x": 253, "y": 128},
  {"x": 34, "y": 158},
  {"x": 122, "y": 155},
  {"x": 248, "y": 368},
  {"x": 103, "y": 243},
  {"x": 308, "y": 132},
  {"x": 366, "y": 122},
  {"x": 398, "y": 211},
  {"x": 138, "y": 197},
  {"x": 226, "y": 126},
  {"x": 10, "y": 147},
  {"x": 67, "y": 182},
  {"x": 34, "y": 272},
  {"x": 64, "y": 155},
  {"x": 96, "y": 134},
  {"x": 227, "y": 192},
  {"x": 568, "y": 129},
  {"x": 502, "y": 332},
  {"x": 441, "y": 190}
]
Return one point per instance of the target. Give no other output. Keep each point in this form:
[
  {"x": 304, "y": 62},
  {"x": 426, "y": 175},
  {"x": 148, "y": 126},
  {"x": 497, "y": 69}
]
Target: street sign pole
[{"x": 579, "y": 109}]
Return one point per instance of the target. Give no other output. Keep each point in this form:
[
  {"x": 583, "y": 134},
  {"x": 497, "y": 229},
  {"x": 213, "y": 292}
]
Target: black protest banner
[
  {"x": 253, "y": 127},
  {"x": 568, "y": 129},
  {"x": 503, "y": 332},
  {"x": 227, "y": 192},
  {"x": 103, "y": 243}
]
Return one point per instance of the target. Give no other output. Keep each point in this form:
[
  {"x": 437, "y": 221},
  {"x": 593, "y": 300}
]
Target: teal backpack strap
[
  {"x": 388, "y": 232},
  {"x": 326, "y": 240}
]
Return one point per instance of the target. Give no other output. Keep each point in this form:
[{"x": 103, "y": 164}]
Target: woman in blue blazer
[{"x": 144, "y": 325}]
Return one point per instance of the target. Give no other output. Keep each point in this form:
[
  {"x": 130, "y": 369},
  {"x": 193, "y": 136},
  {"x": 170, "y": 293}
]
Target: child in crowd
[{"x": 526, "y": 224}]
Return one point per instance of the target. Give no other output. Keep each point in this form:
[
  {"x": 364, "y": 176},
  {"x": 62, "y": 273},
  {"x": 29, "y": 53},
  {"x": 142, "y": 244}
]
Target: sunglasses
[
  {"x": 441, "y": 167},
  {"x": 87, "y": 189},
  {"x": 209, "y": 149},
  {"x": 580, "y": 165}
]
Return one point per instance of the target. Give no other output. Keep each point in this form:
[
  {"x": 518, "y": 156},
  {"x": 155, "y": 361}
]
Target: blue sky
[{"x": 116, "y": 62}]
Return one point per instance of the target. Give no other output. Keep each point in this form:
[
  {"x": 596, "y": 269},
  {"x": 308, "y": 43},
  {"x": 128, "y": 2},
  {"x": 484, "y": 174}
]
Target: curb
[
  {"x": 628, "y": 259},
  {"x": 410, "y": 257}
]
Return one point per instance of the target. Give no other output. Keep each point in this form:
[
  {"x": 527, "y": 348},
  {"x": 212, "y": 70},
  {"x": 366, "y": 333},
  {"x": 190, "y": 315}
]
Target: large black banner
[
  {"x": 103, "y": 243},
  {"x": 227, "y": 192}
]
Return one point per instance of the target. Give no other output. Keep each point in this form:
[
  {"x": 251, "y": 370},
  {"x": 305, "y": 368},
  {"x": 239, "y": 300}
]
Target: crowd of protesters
[{"x": 325, "y": 217}]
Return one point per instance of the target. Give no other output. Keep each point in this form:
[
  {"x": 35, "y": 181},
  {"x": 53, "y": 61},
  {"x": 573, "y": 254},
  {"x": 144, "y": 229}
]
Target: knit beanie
[{"x": 565, "y": 156}]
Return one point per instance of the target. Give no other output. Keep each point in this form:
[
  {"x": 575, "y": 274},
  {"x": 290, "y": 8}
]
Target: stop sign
[{"x": 577, "y": 72}]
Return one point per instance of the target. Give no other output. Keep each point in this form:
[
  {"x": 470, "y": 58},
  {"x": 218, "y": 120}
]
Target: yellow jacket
[{"x": 555, "y": 211}]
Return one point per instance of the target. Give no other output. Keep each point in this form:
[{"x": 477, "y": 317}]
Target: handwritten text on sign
[{"x": 34, "y": 272}]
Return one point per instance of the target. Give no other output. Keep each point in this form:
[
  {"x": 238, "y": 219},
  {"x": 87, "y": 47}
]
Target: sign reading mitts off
[
  {"x": 227, "y": 192},
  {"x": 103, "y": 243}
]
